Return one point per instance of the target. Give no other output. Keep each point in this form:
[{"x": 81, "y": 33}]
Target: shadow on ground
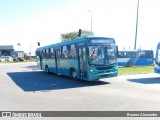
[
  {"x": 154, "y": 80},
  {"x": 32, "y": 67},
  {"x": 40, "y": 81}
]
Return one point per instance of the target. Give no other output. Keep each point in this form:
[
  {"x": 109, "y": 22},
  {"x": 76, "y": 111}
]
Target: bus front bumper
[{"x": 93, "y": 76}]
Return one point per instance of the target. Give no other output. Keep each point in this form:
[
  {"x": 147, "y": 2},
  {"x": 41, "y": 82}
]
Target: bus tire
[
  {"x": 73, "y": 74},
  {"x": 47, "y": 69},
  {"x": 130, "y": 64}
]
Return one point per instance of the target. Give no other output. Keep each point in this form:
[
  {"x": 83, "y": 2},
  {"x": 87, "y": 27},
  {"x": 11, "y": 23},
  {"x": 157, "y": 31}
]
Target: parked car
[
  {"x": 2, "y": 59},
  {"x": 21, "y": 59},
  {"x": 18, "y": 59},
  {"x": 6, "y": 58}
]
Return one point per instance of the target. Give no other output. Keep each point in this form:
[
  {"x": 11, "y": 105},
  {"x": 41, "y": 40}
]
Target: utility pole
[
  {"x": 91, "y": 20},
  {"x": 30, "y": 51},
  {"x": 136, "y": 25}
]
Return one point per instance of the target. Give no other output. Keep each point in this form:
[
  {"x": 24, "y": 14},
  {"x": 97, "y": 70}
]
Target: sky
[{"x": 30, "y": 21}]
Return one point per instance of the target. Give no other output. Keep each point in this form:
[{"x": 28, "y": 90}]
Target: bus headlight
[
  {"x": 116, "y": 67},
  {"x": 91, "y": 70}
]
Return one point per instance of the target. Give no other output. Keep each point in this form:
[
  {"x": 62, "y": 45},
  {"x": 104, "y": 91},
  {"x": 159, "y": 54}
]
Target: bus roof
[{"x": 78, "y": 40}]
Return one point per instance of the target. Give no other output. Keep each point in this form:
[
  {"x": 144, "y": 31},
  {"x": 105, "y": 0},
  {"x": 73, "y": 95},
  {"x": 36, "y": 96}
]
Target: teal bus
[{"x": 88, "y": 58}]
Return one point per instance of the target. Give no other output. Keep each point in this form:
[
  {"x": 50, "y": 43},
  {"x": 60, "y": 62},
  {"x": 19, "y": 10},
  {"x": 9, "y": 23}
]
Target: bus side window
[
  {"x": 47, "y": 53},
  {"x": 120, "y": 54},
  {"x": 73, "y": 51},
  {"x": 52, "y": 54},
  {"x": 129, "y": 55},
  {"x": 149, "y": 54},
  {"x": 125, "y": 55},
  {"x": 37, "y": 53},
  {"x": 43, "y": 53},
  {"x": 40, "y": 54},
  {"x": 64, "y": 52},
  {"x": 133, "y": 54},
  {"x": 142, "y": 55}
]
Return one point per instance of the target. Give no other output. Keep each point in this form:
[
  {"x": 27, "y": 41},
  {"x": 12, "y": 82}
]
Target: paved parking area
[{"x": 23, "y": 88}]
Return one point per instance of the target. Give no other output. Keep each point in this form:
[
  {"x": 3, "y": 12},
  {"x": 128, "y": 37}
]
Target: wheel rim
[
  {"x": 47, "y": 70},
  {"x": 74, "y": 74}
]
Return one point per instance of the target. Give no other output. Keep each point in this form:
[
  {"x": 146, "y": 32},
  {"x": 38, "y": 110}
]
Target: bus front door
[
  {"x": 40, "y": 59},
  {"x": 82, "y": 62},
  {"x": 57, "y": 56}
]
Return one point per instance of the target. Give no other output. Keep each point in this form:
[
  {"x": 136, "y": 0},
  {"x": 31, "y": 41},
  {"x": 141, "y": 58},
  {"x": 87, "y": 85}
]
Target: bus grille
[
  {"x": 104, "y": 68},
  {"x": 105, "y": 76}
]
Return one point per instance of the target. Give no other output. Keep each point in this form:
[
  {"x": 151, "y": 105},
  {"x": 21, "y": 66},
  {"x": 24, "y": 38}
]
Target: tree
[
  {"x": 26, "y": 56},
  {"x": 74, "y": 35},
  {"x": 68, "y": 36}
]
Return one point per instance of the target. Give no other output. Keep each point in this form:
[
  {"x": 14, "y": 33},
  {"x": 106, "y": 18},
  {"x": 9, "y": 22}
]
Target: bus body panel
[
  {"x": 105, "y": 72},
  {"x": 66, "y": 65},
  {"x": 135, "y": 61}
]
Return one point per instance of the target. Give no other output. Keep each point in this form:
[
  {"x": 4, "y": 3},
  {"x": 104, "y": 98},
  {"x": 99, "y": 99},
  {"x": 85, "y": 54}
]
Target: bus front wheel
[{"x": 73, "y": 74}]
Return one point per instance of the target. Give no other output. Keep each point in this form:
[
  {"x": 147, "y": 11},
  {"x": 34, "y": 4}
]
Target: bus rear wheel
[
  {"x": 73, "y": 74},
  {"x": 47, "y": 70},
  {"x": 130, "y": 64}
]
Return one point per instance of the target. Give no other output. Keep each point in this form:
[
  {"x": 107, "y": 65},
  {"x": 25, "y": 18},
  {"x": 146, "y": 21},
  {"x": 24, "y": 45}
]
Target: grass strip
[{"x": 135, "y": 70}]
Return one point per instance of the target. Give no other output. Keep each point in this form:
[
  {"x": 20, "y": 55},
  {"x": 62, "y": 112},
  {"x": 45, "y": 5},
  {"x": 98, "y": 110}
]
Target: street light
[
  {"x": 91, "y": 20},
  {"x": 136, "y": 25}
]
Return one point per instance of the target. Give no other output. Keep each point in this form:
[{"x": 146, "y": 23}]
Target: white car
[
  {"x": 2, "y": 59},
  {"x": 6, "y": 58}
]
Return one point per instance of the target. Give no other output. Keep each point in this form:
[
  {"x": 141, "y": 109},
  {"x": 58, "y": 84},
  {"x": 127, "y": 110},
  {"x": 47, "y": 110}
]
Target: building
[
  {"x": 5, "y": 50},
  {"x": 17, "y": 54}
]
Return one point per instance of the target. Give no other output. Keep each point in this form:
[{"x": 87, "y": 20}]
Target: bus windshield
[
  {"x": 158, "y": 56},
  {"x": 102, "y": 55}
]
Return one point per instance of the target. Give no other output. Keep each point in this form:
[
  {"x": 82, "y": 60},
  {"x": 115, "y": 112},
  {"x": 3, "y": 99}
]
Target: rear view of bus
[{"x": 157, "y": 60}]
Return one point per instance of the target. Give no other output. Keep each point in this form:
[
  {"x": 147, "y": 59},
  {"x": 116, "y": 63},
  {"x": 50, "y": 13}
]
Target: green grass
[
  {"x": 135, "y": 70},
  {"x": 5, "y": 62},
  {"x": 17, "y": 62}
]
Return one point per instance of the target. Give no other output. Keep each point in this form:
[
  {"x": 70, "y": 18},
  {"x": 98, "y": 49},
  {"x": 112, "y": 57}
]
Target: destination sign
[{"x": 104, "y": 41}]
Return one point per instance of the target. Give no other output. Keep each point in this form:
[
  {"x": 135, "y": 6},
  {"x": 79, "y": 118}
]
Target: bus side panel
[
  {"x": 124, "y": 61},
  {"x": 38, "y": 64},
  {"x": 52, "y": 65},
  {"x": 143, "y": 61},
  {"x": 66, "y": 64},
  {"x": 44, "y": 63},
  {"x": 135, "y": 61}
]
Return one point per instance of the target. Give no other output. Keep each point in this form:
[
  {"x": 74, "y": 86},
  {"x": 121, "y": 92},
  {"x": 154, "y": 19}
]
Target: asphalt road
[{"x": 25, "y": 88}]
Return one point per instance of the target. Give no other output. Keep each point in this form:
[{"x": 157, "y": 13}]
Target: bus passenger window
[
  {"x": 47, "y": 53},
  {"x": 44, "y": 53},
  {"x": 64, "y": 52},
  {"x": 52, "y": 54},
  {"x": 73, "y": 51}
]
